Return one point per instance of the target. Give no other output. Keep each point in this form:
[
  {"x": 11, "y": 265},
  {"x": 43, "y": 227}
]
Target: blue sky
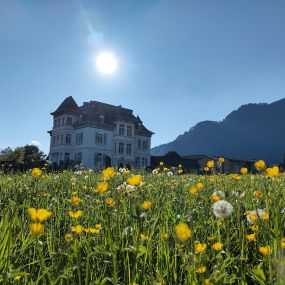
[{"x": 180, "y": 61}]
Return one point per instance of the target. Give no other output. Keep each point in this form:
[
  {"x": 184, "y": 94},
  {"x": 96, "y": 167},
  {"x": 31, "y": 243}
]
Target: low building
[
  {"x": 97, "y": 135},
  {"x": 173, "y": 160}
]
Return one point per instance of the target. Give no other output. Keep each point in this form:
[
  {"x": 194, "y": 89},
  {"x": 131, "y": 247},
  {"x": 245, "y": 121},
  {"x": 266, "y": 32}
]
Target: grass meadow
[{"x": 122, "y": 227}]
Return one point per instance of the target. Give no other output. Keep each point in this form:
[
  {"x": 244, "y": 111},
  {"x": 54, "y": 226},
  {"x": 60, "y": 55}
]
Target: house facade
[{"x": 97, "y": 135}]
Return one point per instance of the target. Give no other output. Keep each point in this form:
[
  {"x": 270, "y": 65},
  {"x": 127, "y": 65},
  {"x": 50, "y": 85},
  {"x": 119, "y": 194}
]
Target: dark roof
[
  {"x": 197, "y": 156},
  {"x": 174, "y": 161},
  {"x": 68, "y": 105},
  {"x": 91, "y": 112}
]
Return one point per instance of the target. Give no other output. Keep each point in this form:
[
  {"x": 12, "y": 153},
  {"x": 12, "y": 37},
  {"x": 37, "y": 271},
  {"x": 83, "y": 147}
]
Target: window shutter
[{"x": 105, "y": 139}]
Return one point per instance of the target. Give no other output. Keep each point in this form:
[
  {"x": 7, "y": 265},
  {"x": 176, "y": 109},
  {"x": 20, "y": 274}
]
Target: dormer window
[{"x": 101, "y": 119}]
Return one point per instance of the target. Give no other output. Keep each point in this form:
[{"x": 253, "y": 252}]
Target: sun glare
[{"x": 106, "y": 63}]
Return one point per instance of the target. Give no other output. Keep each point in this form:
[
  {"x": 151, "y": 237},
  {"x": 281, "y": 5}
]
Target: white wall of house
[{"x": 93, "y": 145}]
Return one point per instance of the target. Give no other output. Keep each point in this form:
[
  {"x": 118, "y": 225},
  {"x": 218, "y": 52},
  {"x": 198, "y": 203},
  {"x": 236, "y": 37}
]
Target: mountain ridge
[{"x": 253, "y": 131}]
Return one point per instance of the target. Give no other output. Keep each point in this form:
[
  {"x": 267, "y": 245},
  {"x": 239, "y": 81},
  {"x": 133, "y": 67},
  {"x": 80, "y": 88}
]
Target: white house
[{"x": 98, "y": 135}]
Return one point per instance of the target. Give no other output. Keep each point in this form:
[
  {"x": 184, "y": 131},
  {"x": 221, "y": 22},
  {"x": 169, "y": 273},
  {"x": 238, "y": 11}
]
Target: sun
[{"x": 106, "y": 62}]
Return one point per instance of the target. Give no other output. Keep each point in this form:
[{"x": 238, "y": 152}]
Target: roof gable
[{"x": 68, "y": 104}]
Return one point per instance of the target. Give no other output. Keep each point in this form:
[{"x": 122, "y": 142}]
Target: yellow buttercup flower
[
  {"x": 183, "y": 232},
  {"x": 161, "y": 163},
  {"x": 217, "y": 246},
  {"x": 200, "y": 248},
  {"x": 146, "y": 205},
  {"x": 17, "y": 278},
  {"x": 221, "y": 160},
  {"x": 265, "y": 250},
  {"x": 260, "y": 165},
  {"x": 39, "y": 215},
  {"x": 75, "y": 200},
  {"x": 253, "y": 217},
  {"x": 110, "y": 202},
  {"x": 206, "y": 169},
  {"x": 200, "y": 185},
  {"x": 76, "y": 214},
  {"x": 210, "y": 164},
  {"x": 215, "y": 198},
  {"x": 164, "y": 235},
  {"x": 236, "y": 177},
  {"x": 102, "y": 187},
  {"x": 272, "y": 171},
  {"x": 98, "y": 226},
  {"x": 250, "y": 237},
  {"x": 257, "y": 194},
  {"x": 108, "y": 173},
  {"x": 143, "y": 237},
  {"x": 201, "y": 269},
  {"x": 254, "y": 228},
  {"x": 135, "y": 180},
  {"x": 265, "y": 216},
  {"x": 36, "y": 172},
  {"x": 193, "y": 190},
  {"x": 92, "y": 231},
  {"x": 77, "y": 229},
  {"x": 68, "y": 237},
  {"x": 37, "y": 229},
  {"x": 243, "y": 170}
]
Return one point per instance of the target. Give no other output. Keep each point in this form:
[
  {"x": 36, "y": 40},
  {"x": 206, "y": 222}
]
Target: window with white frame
[
  {"x": 99, "y": 138},
  {"x": 68, "y": 138},
  {"x": 66, "y": 156},
  {"x": 138, "y": 161},
  {"x": 144, "y": 144},
  {"x": 79, "y": 138},
  {"x": 121, "y": 148},
  {"x": 144, "y": 161},
  {"x": 98, "y": 159},
  {"x": 129, "y": 131},
  {"x": 121, "y": 130},
  {"x": 69, "y": 120},
  {"x": 128, "y": 148}
]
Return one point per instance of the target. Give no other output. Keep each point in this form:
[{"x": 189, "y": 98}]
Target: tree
[
  {"x": 22, "y": 158},
  {"x": 12, "y": 159},
  {"x": 33, "y": 157}
]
